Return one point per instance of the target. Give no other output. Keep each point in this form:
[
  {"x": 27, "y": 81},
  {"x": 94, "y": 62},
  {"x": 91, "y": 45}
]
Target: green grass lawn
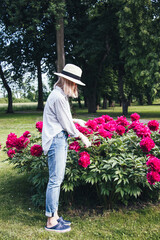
[
  {"x": 20, "y": 220},
  {"x": 146, "y": 112}
]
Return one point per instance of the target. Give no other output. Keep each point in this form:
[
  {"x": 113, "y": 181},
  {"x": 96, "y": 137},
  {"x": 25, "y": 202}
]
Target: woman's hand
[
  {"x": 85, "y": 140},
  {"x": 79, "y": 121}
]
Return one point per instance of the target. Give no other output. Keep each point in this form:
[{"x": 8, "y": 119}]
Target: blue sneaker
[
  {"x": 64, "y": 222},
  {"x": 60, "y": 228}
]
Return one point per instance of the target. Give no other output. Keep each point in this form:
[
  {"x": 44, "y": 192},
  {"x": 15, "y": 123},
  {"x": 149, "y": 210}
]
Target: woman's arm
[
  {"x": 80, "y": 122},
  {"x": 64, "y": 117}
]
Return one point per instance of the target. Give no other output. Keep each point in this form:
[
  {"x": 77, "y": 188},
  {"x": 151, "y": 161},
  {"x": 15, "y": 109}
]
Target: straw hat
[{"x": 72, "y": 73}]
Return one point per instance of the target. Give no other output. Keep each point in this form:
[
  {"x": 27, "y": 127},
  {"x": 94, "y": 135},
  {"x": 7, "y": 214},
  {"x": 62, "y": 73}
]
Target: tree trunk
[
  {"x": 149, "y": 98},
  {"x": 98, "y": 101},
  {"x": 110, "y": 102},
  {"x": 104, "y": 106},
  {"x": 130, "y": 99},
  {"x": 92, "y": 86},
  {"x": 79, "y": 102},
  {"x": 10, "y": 101},
  {"x": 40, "y": 86},
  {"x": 92, "y": 103},
  {"x": 60, "y": 44},
  {"x": 85, "y": 102},
  {"x": 140, "y": 99},
  {"x": 125, "y": 107},
  {"x": 91, "y": 93},
  {"x": 121, "y": 91}
]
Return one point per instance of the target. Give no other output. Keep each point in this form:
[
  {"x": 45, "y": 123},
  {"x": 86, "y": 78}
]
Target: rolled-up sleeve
[{"x": 64, "y": 117}]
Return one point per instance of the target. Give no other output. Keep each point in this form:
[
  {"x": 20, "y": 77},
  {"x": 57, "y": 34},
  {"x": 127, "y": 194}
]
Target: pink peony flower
[
  {"x": 122, "y": 121},
  {"x": 11, "y": 135},
  {"x": 26, "y": 134},
  {"x": 92, "y": 124},
  {"x": 134, "y": 125},
  {"x": 84, "y": 159},
  {"x": 99, "y": 120},
  {"x": 74, "y": 146},
  {"x": 146, "y": 144},
  {"x": 142, "y": 131},
  {"x": 39, "y": 126},
  {"x": 120, "y": 130},
  {"x": 153, "y": 125},
  {"x": 21, "y": 143},
  {"x": 0, "y": 146},
  {"x": 11, "y": 153},
  {"x": 137, "y": 125},
  {"x": 150, "y": 155},
  {"x": 36, "y": 150},
  {"x": 153, "y": 177},
  {"x": 104, "y": 133},
  {"x": 153, "y": 163},
  {"x": 135, "y": 117},
  {"x": 11, "y": 140},
  {"x": 83, "y": 130},
  {"x": 110, "y": 126},
  {"x": 107, "y": 118}
]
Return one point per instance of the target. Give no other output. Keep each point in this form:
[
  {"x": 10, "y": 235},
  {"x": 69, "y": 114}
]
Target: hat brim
[{"x": 71, "y": 79}]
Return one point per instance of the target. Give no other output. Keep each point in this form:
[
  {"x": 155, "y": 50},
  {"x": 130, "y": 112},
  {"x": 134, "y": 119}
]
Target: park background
[{"x": 117, "y": 45}]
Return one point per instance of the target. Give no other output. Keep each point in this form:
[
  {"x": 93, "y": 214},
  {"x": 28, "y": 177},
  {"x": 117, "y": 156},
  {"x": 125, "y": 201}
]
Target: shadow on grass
[
  {"x": 150, "y": 115},
  {"x": 15, "y": 199},
  {"x": 16, "y": 203}
]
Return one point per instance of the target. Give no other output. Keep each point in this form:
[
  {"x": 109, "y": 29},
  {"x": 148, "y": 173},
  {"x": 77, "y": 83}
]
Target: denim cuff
[{"x": 49, "y": 214}]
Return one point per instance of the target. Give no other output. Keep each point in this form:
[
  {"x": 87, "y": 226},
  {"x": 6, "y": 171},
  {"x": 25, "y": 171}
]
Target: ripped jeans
[{"x": 57, "y": 156}]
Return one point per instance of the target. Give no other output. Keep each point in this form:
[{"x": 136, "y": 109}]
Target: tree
[
  {"x": 117, "y": 36},
  {"x": 29, "y": 21},
  {"x": 138, "y": 42},
  {"x": 89, "y": 43},
  {"x": 2, "y": 75},
  {"x": 108, "y": 87},
  {"x": 120, "y": 35},
  {"x": 9, "y": 71},
  {"x": 60, "y": 35}
]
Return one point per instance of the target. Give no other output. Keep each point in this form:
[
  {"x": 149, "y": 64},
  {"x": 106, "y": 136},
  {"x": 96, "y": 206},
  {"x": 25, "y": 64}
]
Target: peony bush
[{"x": 122, "y": 164}]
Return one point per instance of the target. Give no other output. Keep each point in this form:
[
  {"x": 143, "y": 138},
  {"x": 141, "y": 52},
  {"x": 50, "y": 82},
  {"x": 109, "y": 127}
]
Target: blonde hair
[{"x": 68, "y": 87}]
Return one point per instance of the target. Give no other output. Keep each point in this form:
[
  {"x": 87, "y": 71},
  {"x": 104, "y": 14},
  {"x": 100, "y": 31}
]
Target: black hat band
[{"x": 71, "y": 75}]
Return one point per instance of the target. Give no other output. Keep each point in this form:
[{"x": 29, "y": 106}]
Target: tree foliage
[{"x": 105, "y": 38}]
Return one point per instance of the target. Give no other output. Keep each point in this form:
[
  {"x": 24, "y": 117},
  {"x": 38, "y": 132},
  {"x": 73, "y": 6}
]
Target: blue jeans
[{"x": 57, "y": 156}]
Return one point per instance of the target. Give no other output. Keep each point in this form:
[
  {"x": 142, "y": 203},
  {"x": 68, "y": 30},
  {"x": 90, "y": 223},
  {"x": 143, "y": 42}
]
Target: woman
[{"x": 57, "y": 125}]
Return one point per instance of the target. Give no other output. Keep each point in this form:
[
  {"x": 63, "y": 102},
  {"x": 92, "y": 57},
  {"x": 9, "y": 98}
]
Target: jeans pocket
[{"x": 62, "y": 134}]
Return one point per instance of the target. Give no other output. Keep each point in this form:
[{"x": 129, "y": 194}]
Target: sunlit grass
[
  {"x": 19, "y": 106},
  {"x": 146, "y": 112}
]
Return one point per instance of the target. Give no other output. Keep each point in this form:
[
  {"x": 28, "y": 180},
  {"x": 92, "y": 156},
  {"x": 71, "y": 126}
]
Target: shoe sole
[{"x": 58, "y": 231}]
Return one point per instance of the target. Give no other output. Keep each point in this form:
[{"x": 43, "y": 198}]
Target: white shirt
[{"x": 56, "y": 118}]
